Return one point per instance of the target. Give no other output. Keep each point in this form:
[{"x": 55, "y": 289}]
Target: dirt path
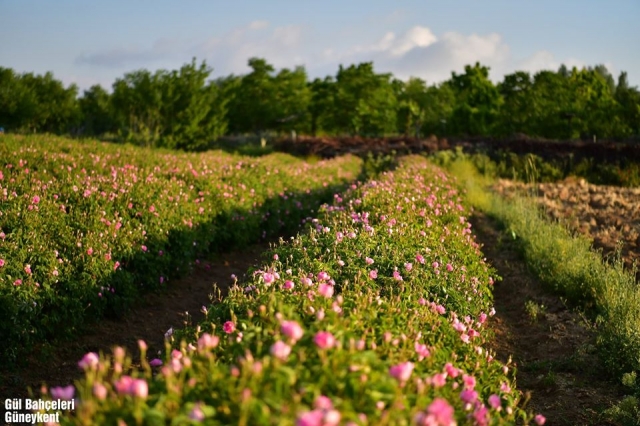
[
  {"x": 552, "y": 346},
  {"x": 149, "y": 322}
]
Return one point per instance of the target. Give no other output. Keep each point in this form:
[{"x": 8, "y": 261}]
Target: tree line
[{"x": 186, "y": 109}]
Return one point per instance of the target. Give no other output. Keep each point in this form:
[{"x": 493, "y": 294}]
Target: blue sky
[{"x": 94, "y": 42}]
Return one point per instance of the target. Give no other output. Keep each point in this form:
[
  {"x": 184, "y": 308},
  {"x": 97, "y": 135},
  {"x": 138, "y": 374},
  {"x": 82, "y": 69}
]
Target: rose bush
[
  {"x": 85, "y": 228},
  {"x": 405, "y": 346}
]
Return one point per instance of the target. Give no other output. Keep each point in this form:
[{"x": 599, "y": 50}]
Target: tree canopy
[{"x": 185, "y": 109}]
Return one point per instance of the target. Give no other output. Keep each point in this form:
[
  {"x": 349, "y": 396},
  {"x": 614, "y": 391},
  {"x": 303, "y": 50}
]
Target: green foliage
[
  {"x": 243, "y": 365},
  {"x": 136, "y": 104},
  {"x": 478, "y": 102},
  {"x": 96, "y": 109},
  {"x": 193, "y": 111},
  {"x": 182, "y": 109},
  {"x": 570, "y": 267},
  {"x": 576, "y": 103},
  {"x": 551, "y": 114},
  {"x": 413, "y": 99},
  {"x": 628, "y": 110},
  {"x": 365, "y": 102},
  {"x": 250, "y": 108},
  {"x": 516, "y": 90},
  {"x": 261, "y": 100},
  {"x": 86, "y": 228},
  {"x": 176, "y": 109},
  {"x": 533, "y": 168},
  {"x": 439, "y": 109},
  {"x": 625, "y": 413},
  {"x": 321, "y": 105},
  {"x": 292, "y": 99},
  {"x": 593, "y": 100},
  {"x": 36, "y": 103},
  {"x": 534, "y": 310},
  {"x": 376, "y": 164}
]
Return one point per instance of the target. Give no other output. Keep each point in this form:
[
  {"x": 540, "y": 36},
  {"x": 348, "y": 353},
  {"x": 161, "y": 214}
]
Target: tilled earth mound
[
  {"x": 331, "y": 146},
  {"x": 607, "y": 214}
]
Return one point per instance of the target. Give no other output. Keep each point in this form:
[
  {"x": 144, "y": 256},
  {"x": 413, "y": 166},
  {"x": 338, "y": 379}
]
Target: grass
[
  {"x": 534, "y": 310},
  {"x": 568, "y": 265}
]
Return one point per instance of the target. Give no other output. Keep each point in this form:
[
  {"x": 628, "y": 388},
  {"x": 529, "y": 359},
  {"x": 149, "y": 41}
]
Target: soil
[
  {"x": 553, "y": 348},
  {"x": 57, "y": 364},
  {"x": 565, "y": 151},
  {"x": 609, "y": 215}
]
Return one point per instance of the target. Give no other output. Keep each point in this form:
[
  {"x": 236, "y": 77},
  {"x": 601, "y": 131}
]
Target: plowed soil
[{"x": 609, "y": 215}]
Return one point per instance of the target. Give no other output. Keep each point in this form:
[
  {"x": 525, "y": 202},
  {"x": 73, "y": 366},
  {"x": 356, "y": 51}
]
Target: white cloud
[
  {"x": 414, "y": 52},
  {"x": 227, "y": 53},
  {"x": 415, "y": 37},
  {"x": 436, "y": 62},
  {"x": 397, "y": 46},
  {"x": 418, "y": 52},
  {"x": 258, "y": 25},
  {"x": 288, "y": 36},
  {"x": 384, "y": 44},
  {"x": 281, "y": 46},
  {"x": 545, "y": 60},
  {"x": 542, "y": 59}
]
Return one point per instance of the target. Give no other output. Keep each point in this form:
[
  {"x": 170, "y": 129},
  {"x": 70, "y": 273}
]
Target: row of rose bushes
[
  {"x": 85, "y": 228},
  {"x": 376, "y": 315},
  {"x": 606, "y": 291}
]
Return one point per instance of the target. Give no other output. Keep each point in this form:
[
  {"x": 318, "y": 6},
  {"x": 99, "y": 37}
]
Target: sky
[{"x": 89, "y": 42}]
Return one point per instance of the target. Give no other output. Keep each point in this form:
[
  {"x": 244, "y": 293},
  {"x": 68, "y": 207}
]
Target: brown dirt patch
[
  {"x": 554, "y": 353},
  {"x": 609, "y": 215},
  {"x": 57, "y": 365}
]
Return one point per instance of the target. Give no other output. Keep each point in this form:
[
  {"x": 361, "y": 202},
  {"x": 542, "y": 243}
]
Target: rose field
[
  {"x": 376, "y": 315},
  {"x": 375, "y": 306},
  {"x": 85, "y": 228}
]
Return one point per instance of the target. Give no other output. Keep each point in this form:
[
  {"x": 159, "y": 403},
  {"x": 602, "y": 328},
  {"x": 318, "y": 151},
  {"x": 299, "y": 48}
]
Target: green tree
[
  {"x": 251, "y": 107},
  {"x": 95, "y": 108},
  {"x": 623, "y": 83},
  {"x": 440, "y": 101},
  {"x": 178, "y": 109},
  {"x": 365, "y": 102},
  {"x": 602, "y": 70},
  {"x": 412, "y": 105},
  {"x": 137, "y": 100},
  {"x": 193, "y": 110},
  {"x": 37, "y": 103},
  {"x": 516, "y": 110},
  {"x": 292, "y": 97},
  {"x": 594, "y": 103},
  {"x": 564, "y": 71},
  {"x": 228, "y": 88},
  {"x": 628, "y": 101},
  {"x": 323, "y": 92},
  {"x": 17, "y": 103},
  {"x": 478, "y": 101},
  {"x": 552, "y": 113}
]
